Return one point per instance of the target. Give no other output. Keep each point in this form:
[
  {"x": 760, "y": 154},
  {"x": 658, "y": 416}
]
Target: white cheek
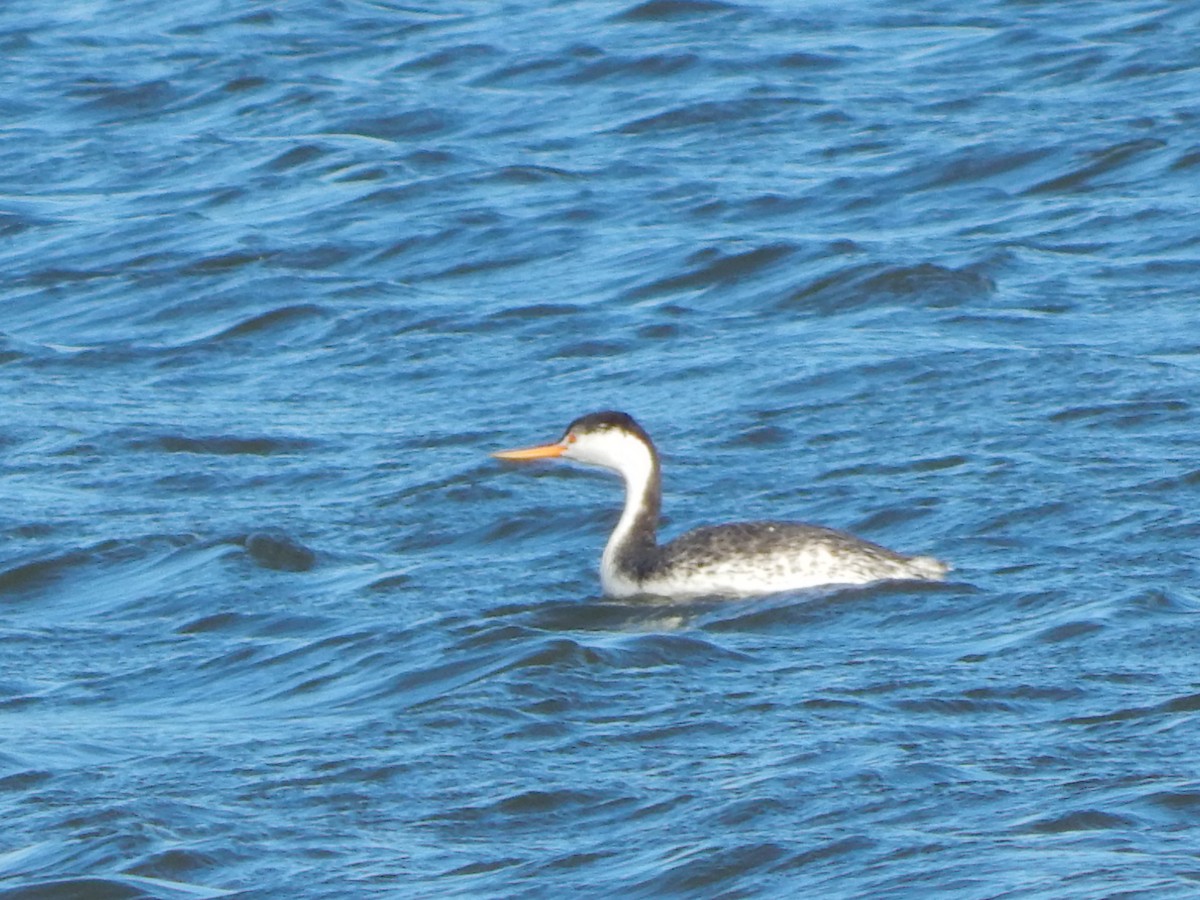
[
  {"x": 618, "y": 451},
  {"x": 610, "y": 450}
]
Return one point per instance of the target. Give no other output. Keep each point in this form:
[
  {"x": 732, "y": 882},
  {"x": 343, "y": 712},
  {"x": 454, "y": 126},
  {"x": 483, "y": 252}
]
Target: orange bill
[{"x": 545, "y": 451}]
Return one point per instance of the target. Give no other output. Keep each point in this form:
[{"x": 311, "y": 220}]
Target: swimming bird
[{"x": 735, "y": 560}]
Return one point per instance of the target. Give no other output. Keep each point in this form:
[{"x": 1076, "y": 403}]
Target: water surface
[{"x": 277, "y": 278}]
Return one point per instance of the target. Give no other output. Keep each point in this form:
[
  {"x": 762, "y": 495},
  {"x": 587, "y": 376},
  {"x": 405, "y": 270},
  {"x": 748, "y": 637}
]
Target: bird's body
[
  {"x": 738, "y": 559},
  {"x": 745, "y": 558}
]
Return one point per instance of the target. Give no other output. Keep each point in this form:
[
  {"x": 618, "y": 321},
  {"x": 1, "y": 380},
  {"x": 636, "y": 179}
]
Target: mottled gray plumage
[
  {"x": 763, "y": 541},
  {"x": 780, "y": 549}
]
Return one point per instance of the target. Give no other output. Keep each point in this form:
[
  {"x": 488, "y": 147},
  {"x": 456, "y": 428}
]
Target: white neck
[{"x": 637, "y": 470}]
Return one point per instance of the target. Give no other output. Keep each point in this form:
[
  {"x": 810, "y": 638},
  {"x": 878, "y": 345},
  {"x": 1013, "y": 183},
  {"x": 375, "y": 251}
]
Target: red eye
[{"x": 570, "y": 438}]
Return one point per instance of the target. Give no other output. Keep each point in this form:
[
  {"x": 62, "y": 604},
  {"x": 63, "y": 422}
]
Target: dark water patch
[
  {"x": 13, "y": 224},
  {"x": 927, "y": 464},
  {"x": 591, "y": 348},
  {"x": 474, "y": 494},
  {"x": 524, "y": 72},
  {"x": 222, "y": 263},
  {"x": 539, "y": 310},
  {"x": 800, "y": 608},
  {"x": 1069, "y": 63},
  {"x": 607, "y": 616},
  {"x": 981, "y": 163},
  {"x": 483, "y": 867},
  {"x": 12, "y": 350},
  {"x": 1027, "y": 693},
  {"x": 530, "y": 175},
  {"x": 473, "y": 478},
  {"x": 1069, "y": 631},
  {"x": 771, "y": 205},
  {"x": 501, "y": 634},
  {"x": 273, "y": 322},
  {"x": 415, "y": 123},
  {"x": 427, "y": 159},
  {"x": 546, "y": 803},
  {"x": 456, "y": 437},
  {"x": 742, "y": 812},
  {"x": 697, "y": 728},
  {"x": 482, "y": 266},
  {"x": 535, "y": 809},
  {"x": 802, "y": 60},
  {"x": 927, "y": 284},
  {"x": 1182, "y": 803},
  {"x": 894, "y": 518},
  {"x": 513, "y": 652},
  {"x": 1099, "y": 163},
  {"x": 1081, "y": 820},
  {"x": 278, "y": 551},
  {"x": 1126, "y": 414},
  {"x": 1187, "y": 160},
  {"x": 415, "y": 245},
  {"x": 760, "y": 436},
  {"x": 223, "y": 621},
  {"x": 16, "y": 697},
  {"x": 316, "y": 668},
  {"x": 954, "y": 707},
  {"x": 1185, "y": 704},
  {"x": 56, "y": 276},
  {"x": 672, "y": 10},
  {"x": 223, "y": 445},
  {"x": 937, "y": 286},
  {"x": 705, "y": 869},
  {"x": 22, "y": 578},
  {"x": 23, "y": 781},
  {"x": 577, "y": 216},
  {"x": 653, "y": 650},
  {"x": 1008, "y": 520},
  {"x": 819, "y": 704},
  {"x": 417, "y": 537},
  {"x": 113, "y": 887},
  {"x": 429, "y": 684},
  {"x": 245, "y": 83},
  {"x": 454, "y": 60},
  {"x": 357, "y": 174},
  {"x": 392, "y": 582},
  {"x": 75, "y": 889},
  {"x": 713, "y": 268},
  {"x": 1146, "y": 67},
  {"x": 849, "y": 846},
  {"x": 317, "y": 258},
  {"x": 557, "y": 654},
  {"x": 708, "y": 114},
  {"x": 634, "y": 68},
  {"x": 174, "y": 864},
  {"x": 570, "y": 861},
  {"x": 666, "y": 331},
  {"x": 1160, "y": 601},
  {"x": 128, "y": 99}
]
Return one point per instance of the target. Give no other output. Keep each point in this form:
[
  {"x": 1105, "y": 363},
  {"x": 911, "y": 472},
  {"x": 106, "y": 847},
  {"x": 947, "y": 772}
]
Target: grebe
[{"x": 739, "y": 559}]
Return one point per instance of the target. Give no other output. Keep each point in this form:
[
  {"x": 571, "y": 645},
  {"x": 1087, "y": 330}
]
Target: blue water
[{"x": 276, "y": 279}]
